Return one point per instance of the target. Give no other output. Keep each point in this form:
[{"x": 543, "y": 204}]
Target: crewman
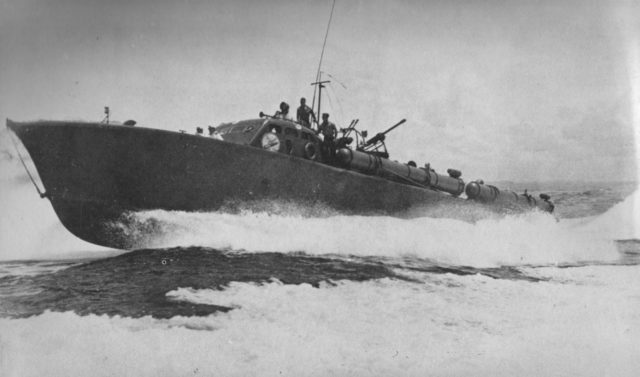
[
  {"x": 305, "y": 114},
  {"x": 213, "y": 133},
  {"x": 283, "y": 113},
  {"x": 329, "y": 131}
]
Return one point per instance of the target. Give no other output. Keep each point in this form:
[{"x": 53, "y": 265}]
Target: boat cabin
[{"x": 274, "y": 135}]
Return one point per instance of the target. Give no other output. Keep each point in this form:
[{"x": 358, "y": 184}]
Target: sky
[{"x": 501, "y": 90}]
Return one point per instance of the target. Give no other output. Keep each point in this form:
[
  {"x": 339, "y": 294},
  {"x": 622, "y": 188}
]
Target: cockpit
[{"x": 274, "y": 135}]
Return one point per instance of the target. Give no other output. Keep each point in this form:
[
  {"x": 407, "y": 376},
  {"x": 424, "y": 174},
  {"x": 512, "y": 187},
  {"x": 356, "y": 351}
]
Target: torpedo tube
[
  {"x": 372, "y": 164},
  {"x": 451, "y": 183},
  {"x": 480, "y": 192}
]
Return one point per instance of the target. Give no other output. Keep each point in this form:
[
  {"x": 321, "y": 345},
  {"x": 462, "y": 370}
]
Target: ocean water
[{"x": 283, "y": 290}]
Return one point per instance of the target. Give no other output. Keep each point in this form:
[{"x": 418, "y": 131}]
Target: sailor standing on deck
[
  {"x": 329, "y": 132},
  {"x": 283, "y": 113},
  {"x": 305, "y": 114}
]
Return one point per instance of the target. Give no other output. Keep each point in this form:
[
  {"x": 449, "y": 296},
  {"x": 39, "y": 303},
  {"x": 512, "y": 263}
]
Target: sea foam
[
  {"x": 532, "y": 238},
  {"x": 582, "y": 321}
]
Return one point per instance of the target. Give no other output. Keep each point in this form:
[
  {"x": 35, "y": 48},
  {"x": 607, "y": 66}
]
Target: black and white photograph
[{"x": 319, "y": 188}]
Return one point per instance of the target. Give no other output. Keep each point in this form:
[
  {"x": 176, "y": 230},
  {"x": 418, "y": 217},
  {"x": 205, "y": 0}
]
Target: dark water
[{"x": 135, "y": 284}]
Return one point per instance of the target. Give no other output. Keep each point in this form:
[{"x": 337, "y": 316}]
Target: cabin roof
[{"x": 242, "y": 132}]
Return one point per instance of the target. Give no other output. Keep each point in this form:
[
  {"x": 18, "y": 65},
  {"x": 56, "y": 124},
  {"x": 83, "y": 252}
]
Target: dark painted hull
[{"x": 94, "y": 173}]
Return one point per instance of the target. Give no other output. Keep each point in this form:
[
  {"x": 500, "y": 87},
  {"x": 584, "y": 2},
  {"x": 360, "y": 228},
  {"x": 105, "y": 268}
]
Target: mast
[
  {"x": 319, "y": 85},
  {"x": 319, "y": 81}
]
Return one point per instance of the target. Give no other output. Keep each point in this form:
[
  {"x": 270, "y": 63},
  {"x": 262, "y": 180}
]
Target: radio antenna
[{"x": 313, "y": 102}]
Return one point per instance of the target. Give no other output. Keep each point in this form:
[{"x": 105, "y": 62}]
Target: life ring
[{"x": 310, "y": 151}]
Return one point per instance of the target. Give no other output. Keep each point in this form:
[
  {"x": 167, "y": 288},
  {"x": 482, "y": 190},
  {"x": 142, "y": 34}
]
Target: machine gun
[
  {"x": 263, "y": 115},
  {"x": 376, "y": 143},
  {"x": 352, "y": 127}
]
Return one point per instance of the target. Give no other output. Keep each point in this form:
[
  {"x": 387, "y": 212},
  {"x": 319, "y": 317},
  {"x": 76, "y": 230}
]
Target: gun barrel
[
  {"x": 394, "y": 126},
  {"x": 380, "y": 136}
]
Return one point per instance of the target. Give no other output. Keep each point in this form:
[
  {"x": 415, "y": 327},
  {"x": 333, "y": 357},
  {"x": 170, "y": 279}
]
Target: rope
[
  {"x": 15, "y": 145},
  {"x": 334, "y": 79},
  {"x": 328, "y": 97},
  {"x": 313, "y": 102},
  {"x": 337, "y": 100}
]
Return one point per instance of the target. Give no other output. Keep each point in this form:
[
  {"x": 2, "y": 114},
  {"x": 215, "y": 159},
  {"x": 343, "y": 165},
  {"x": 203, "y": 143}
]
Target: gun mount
[{"x": 376, "y": 145}]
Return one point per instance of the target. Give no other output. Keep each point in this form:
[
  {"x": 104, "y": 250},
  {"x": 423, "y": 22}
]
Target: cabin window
[
  {"x": 236, "y": 129},
  {"x": 276, "y": 129},
  {"x": 290, "y": 131},
  {"x": 248, "y": 128}
]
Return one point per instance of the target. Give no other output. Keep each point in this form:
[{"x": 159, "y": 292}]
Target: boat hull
[{"x": 94, "y": 174}]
